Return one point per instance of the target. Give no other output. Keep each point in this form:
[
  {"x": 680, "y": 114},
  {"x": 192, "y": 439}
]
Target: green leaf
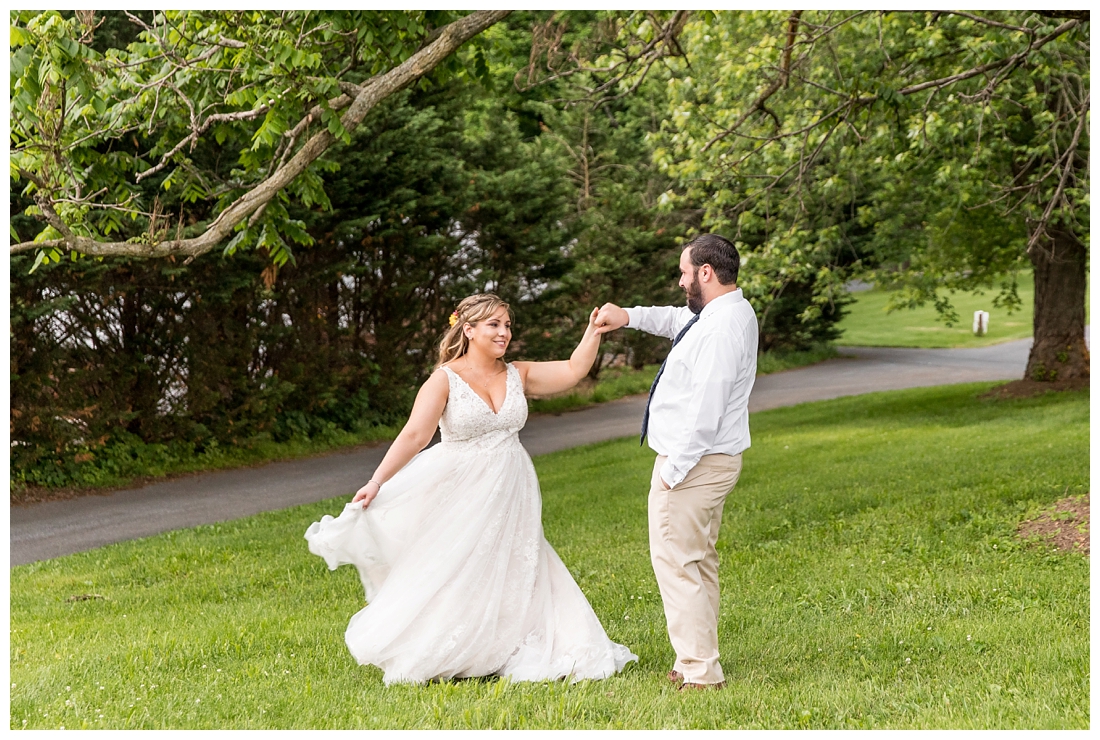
[
  {"x": 19, "y": 37},
  {"x": 295, "y": 230},
  {"x": 240, "y": 240},
  {"x": 19, "y": 61},
  {"x": 39, "y": 260}
]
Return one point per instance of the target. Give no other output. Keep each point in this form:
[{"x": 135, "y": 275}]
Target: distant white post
[{"x": 981, "y": 323}]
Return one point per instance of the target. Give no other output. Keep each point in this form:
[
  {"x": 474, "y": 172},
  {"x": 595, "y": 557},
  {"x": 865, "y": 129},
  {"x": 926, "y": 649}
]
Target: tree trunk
[{"x": 1058, "y": 351}]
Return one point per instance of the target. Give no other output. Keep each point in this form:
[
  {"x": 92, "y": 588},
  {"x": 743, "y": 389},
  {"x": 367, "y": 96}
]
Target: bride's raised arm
[
  {"x": 544, "y": 378},
  {"x": 414, "y": 436}
]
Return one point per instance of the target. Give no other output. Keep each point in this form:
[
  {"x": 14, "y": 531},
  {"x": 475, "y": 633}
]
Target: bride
[{"x": 448, "y": 542}]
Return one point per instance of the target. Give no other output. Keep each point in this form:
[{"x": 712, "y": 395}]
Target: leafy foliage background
[
  {"x": 557, "y": 158},
  {"x": 458, "y": 185}
]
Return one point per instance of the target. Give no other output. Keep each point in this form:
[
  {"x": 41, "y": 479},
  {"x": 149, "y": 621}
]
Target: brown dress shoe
[
  {"x": 675, "y": 677},
  {"x": 702, "y": 686}
]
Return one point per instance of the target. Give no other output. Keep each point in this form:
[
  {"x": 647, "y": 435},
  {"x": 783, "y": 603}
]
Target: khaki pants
[{"x": 683, "y": 529}]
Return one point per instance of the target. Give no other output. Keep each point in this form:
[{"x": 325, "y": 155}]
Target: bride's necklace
[{"x": 483, "y": 383}]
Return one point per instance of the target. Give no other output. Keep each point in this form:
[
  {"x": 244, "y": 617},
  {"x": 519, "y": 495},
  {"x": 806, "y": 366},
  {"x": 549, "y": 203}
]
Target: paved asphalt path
[{"x": 54, "y": 528}]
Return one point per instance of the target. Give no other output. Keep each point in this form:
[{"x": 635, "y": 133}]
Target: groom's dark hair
[{"x": 719, "y": 253}]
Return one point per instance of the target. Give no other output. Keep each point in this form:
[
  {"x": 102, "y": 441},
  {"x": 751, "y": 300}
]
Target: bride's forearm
[
  {"x": 414, "y": 436},
  {"x": 545, "y": 378},
  {"x": 580, "y": 362},
  {"x": 403, "y": 449}
]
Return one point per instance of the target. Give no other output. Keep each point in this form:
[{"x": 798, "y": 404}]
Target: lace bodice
[{"x": 468, "y": 418}]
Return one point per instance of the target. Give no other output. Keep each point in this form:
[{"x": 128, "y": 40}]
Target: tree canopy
[
  {"x": 460, "y": 183},
  {"x": 953, "y": 145},
  {"x": 273, "y": 90},
  {"x": 228, "y": 226}
]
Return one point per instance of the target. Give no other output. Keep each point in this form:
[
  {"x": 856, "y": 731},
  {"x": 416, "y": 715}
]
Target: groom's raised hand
[{"x": 611, "y": 317}]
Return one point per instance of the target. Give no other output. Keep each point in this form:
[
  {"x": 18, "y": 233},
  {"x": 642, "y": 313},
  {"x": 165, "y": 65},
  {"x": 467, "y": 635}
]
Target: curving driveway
[{"x": 54, "y": 528}]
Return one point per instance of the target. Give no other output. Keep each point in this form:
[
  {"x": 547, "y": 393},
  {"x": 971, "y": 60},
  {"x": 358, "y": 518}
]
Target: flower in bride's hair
[{"x": 454, "y": 318}]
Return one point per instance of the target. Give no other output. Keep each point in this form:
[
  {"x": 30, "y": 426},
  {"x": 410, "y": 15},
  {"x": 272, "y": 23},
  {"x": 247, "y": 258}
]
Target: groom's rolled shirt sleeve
[{"x": 716, "y": 368}]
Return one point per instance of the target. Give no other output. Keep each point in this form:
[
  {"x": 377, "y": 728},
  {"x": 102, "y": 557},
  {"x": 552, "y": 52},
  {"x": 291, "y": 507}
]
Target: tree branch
[
  {"x": 663, "y": 44},
  {"x": 50, "y": 214},
  {"x": 975, "y": 71},
  {"x": 781, "y": 81},
  {"x": 1015, "y": 59},
  {"x": 371, "y": 93},
  {"x": 1041, "y": 226},
  {"x": 197, "y": 131},
  {"x": 990, "y": 22}
]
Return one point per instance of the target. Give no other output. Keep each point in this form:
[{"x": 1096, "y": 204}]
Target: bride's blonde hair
[{"x": 471, "y": 310}]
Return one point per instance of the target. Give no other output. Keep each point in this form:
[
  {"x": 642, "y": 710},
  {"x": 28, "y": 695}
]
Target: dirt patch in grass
[
  {"x": 1065, "y": 525},
  {"x": 1028, "y": 388}
]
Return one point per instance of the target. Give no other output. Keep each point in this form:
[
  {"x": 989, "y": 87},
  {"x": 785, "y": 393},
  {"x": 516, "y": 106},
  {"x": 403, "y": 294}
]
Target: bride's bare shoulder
[
  {"x": 452, "y": 366},
  {"x": 437, "y": 382},
  {"x": 522, "y": 367}
]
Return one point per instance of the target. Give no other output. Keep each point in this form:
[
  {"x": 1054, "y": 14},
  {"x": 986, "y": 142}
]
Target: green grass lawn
[
  {"x": 871, "y": 577},
  {"x": 869, "y": 325}
]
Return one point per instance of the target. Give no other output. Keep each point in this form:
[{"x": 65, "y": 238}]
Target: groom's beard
[{"x": 695, "y": 294}]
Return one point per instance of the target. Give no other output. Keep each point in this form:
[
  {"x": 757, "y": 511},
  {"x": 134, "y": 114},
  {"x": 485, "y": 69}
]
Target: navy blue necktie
[{"x": 645, "y": 417}]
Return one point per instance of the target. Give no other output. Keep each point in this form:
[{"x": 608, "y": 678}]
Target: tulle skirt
[{"x": 459, "y": 578}]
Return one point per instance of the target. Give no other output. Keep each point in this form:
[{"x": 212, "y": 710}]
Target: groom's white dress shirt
[{"x": 701, "y": 404}]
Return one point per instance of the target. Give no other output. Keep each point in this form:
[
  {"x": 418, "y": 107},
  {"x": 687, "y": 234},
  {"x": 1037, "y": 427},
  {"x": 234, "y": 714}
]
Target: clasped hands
[
  {"x": 610, "y": 317},
  {"x": 606, "y": 318}
]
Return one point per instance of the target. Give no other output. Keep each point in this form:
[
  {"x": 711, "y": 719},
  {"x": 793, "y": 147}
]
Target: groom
[{"x": 697, "y": 420}]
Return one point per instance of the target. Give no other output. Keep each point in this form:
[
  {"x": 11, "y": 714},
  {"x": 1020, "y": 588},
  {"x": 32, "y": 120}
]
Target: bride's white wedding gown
[{"x": 459, "y": 578}]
